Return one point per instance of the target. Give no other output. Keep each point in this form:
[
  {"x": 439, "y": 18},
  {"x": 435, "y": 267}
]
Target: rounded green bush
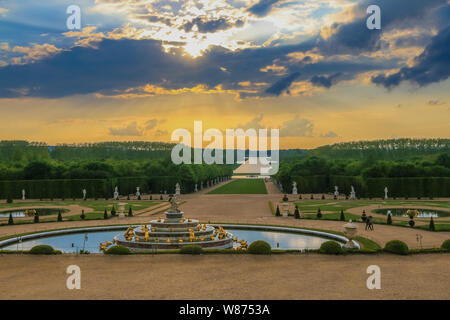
[
  {"x": 446, "y": 245},
  {"x": 331, "y": 247},
  {"x": 397, "y": 247},
  {"x": 42, "y": 249},
  {"x": 259, "y": 247},
  {"x": 119, "y": 249},
  {"x": 191, "y": 249}
]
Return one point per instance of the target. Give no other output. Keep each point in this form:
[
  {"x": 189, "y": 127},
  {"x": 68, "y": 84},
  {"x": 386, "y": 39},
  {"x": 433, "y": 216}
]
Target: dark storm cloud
[
  {"x": 262, "y": 8},
  {"x": 432, "y": 65},
  {"x": 354, "y": 37}
]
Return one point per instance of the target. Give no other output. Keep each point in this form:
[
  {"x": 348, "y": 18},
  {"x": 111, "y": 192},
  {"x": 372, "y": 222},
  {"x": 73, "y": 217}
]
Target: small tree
[
  {"x": 10, "y": 220},
  {"x": 105, "y": 215},
  {"x": 9, "y": 200},
  {"x": 130, "y": 212},
  {"x": 432, "y": 224},
  {"x": 300, "y": 197},
  {"x": 389, "y": 219},
  {"x": 128, "y": 197},
  {"x": 59, "y": 216},
  {"x": 139, "y": 197},
  {"x": 83, "y": 216},
  {"x": 150, "y": 197},
  {"x": 36, "y": 217},
  {"x": 296, "y": 213},
  {"x": 285, "y": 198},
  {"x": 277, "y": 213},
  {"x": 312, "y": 197},
  {"x": 161, "y": 197},
  {"x": 323, "y": 197},
  {"x": 113, "y": 211},
  {"x": 342, "y": 218},
  {"x": 411, "y": 223},
  {"x": 319, "y": 214}
]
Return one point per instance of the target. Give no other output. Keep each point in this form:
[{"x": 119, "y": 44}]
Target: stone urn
[
  {"x": 350, "y": 232},
  {"x": 285, "y": 208},
  {"x": 121, "y": 210}
]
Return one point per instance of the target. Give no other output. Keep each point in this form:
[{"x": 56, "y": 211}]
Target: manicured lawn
[{"x": 242, "y": 186}]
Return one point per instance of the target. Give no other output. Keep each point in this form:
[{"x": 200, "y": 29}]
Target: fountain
[{"x": 173, "y": 232}]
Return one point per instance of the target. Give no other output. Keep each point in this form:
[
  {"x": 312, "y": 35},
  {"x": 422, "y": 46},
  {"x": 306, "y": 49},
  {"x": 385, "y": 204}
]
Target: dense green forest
[{"x": 391, "y": 149}]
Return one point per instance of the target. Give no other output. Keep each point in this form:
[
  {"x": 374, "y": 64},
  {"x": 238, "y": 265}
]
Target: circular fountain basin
[{"x": 72, "y": 240}]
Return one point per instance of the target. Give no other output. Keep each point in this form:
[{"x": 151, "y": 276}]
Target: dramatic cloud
[
  {"x": 325, "y": 81},
  {"x": 262, "y": 8},
  {"x": 297, "y": 127},
  {"x": 432, "y": 65},
  {"x": 282, "y": 85},
  {"x": 131, "y": 129},
  {"x": 205, "y": 25},
  {"x": 329, "y": 134}
]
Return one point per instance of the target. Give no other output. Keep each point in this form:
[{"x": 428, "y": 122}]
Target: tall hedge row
[
  {"x": 95, "y": 188},
  {"x": 372, "y": 187}
]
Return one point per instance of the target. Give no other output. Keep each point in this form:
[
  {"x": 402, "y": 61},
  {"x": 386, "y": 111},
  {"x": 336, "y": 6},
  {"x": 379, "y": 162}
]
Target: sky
[{"x": 137, "y": 70}]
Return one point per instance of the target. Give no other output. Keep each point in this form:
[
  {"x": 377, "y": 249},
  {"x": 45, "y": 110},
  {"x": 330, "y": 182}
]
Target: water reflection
[{"x": 71, "y": 243}]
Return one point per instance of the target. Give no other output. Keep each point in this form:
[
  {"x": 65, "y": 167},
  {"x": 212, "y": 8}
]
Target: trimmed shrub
[
  {"x": 342, "y": 218},
  {"x": 59, "y": 216},
  {"x": 446, "y": 245},
  {"x": 411, "y": 223},
  {"x": 10, "y": 219},
  {"x": 36, "y": 217},
  {"x": 285, "y": 198},
  {"x": 128, "y": 197},
  {"x": 296, "y": 213},
  {"x": 130, "y": 212},
  {"x": 259, "y": 247},
  {"x": 323, "y": 197},
  {"x": 161, "y": 197},
  {"x": 300, "y": 197},
  {"x": 331, "y": 247},
  {"x": 277, "y": 213},
  {"x": 119, "y": 249},
  {"x": 396, "y": 247},
  {"x": 42, "y": 249},
  {"x": 83, "y": 216},
  {"x": 312, "y": 197},
  {"x": 431, "y": 227},
  {"x": 319, "y": 214},
  {"x": 389, "y": 219},
  {"x": 105, "y": 215},
  {"x": 191, "y": 249},
  {"x": 9, "y": 200},
  {"x": 151, "y": 198},
  {"x": 113, "y": 211},
  {"x": 364, "y": 216},
  {"x": 139, "y": 197}
]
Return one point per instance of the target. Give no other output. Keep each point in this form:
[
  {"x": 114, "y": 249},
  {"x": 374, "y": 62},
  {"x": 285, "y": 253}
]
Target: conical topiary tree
[
  {"x": 277, "y": 212},
  {"x": 151, "y": 198},
  {"x": 105, "y": 215},
  {"x": 432, "y": 224},
  {"x": 342, "y": 218},
  {"x": 319, "y": 214},
  {"x": 83, "y": 216},
  {"x": 130, "y": 212},
  {"x": 36, "y": 217},
  {"x": 389, "y": 219},
  {"x": 113, "y": 211},
  {"x": 296, "y": 213},
  {"x": 10, "y": 220},
  {"x": 59, "y": 216}
]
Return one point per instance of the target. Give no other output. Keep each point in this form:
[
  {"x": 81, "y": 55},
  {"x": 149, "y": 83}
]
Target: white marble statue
[
  {"x": 138, "y": 192},
  {"x": 336, "y": 191},
  {"x": 177, "y": 189},
  {"x": 352, "y": 194},
  {"x": 195, "y": 188},
  {"x": 23, "y": 194},
  {"x": 84, "y": 194},
  {"x": 385, "y": 193},
  {"x": 294, "y": 187},
  {"x": 116, "y": 193}
]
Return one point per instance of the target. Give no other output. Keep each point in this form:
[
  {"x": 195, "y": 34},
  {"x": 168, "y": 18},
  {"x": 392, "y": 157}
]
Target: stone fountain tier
[
  {"x": 178, "y": 234},
  {"x": 167, "y": 226}
]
